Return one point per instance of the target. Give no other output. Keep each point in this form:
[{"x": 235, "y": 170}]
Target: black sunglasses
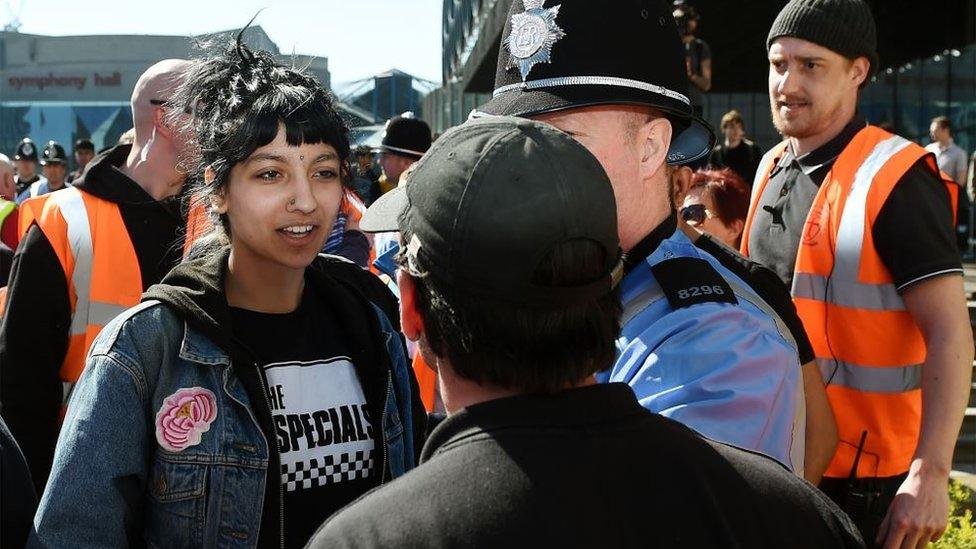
[{"x": 696, "y": 214}]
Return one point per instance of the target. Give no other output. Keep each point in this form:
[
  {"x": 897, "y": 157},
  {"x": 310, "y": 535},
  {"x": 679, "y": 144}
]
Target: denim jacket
[{"x": 113, "y": 485}]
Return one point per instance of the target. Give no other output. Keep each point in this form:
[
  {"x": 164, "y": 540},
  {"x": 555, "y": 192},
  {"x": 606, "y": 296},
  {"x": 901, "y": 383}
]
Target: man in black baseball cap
[
  {"x": 25, "y": 162},
  {"x": 697, "y": 344},
  {"x": 405, "y": 139},
  {"x": 513, "y": 302}
]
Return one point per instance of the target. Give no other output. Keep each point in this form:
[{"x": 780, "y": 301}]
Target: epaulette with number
[{"x": 688, "y": 281}]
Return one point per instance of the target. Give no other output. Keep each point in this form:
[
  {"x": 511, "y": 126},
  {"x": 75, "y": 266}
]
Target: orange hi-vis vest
[
  {"x": 93, "y": 246},
  {"x": 868, "y": 347}
]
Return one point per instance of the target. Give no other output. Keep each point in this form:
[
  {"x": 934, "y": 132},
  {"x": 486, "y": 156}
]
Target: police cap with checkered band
[{"x": 555, "y": 56}]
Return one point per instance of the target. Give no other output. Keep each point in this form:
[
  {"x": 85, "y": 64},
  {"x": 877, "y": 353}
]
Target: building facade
[
  {"x": 928, "y": 63},
  {"x": 68, "y": 87}
]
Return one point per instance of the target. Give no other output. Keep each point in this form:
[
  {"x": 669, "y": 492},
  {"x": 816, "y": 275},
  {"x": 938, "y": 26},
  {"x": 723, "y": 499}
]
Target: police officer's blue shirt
[
  {"x": 37, "y": 188},
  {"x": 700, "y": 347}
]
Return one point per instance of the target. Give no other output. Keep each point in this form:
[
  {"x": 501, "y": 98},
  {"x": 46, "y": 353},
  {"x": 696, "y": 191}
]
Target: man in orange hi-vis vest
[
  {"x": 87, "y": 253},
  {"x": 860, "y": 223}
]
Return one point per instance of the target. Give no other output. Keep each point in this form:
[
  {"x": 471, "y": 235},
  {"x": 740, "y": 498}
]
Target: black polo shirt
[
  {"x": 913, "y": 232},
  {"x": 586, "y": 467}
]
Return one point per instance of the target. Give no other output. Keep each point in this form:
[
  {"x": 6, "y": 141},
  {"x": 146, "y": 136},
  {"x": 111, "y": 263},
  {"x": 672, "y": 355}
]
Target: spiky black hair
[{"x": 238, "y": 99}]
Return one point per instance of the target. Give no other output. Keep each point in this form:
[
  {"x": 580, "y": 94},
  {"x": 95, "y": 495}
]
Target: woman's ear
[{"x": 737, "y": 227}]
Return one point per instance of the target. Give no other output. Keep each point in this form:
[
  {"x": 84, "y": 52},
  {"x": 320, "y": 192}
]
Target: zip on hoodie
[
  {"x": 277, "y": 477},
  {"x": 386, "y": 405}
]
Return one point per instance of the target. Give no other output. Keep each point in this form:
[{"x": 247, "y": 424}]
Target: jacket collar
[
  {"x": 590, "y": 405},
  {"x": 196, "y": 347},
  {"x": 646, "y": 247}
]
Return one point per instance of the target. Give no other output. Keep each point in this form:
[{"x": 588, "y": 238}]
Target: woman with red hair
[{"x": 717, "y": 204}]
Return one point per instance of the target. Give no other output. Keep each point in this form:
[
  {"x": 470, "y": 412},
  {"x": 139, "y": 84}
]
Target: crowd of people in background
[{"x": 576, "y": 319}]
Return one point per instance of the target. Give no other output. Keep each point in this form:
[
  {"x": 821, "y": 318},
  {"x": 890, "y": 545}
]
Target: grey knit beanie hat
[{"x": 843, "y": 26}]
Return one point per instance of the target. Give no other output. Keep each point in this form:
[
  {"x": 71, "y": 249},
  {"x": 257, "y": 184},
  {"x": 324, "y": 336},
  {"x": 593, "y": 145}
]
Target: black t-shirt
[
  {"x": 743, "y": 159},
  {"x": 913, "y": 233},
  {"x": 324, "y": 431},
  {"x": 586, "y": 467}
]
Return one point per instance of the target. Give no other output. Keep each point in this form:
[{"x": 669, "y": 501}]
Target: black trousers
[{"x": 866, "y": 500}]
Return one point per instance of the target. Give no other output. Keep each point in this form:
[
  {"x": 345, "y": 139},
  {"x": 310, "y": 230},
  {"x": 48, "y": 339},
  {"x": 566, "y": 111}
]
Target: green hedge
[{"x": 961, "y": 532}]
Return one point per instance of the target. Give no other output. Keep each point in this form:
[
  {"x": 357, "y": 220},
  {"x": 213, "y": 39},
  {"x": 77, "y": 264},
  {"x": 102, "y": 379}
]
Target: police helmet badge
[
  {"x": 27, "y": 149},
  {"x": 533, "y": 34}
]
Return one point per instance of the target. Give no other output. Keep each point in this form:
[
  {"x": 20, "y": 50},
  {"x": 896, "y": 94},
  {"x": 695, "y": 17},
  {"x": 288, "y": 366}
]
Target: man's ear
[
  {"x": 162, "y": 124},
  {"x": 860, "y": 69},
  {"x": 654, "y": 139},
  {"x": 681, "y": 181},
  {"x": 410, "y": 321}
]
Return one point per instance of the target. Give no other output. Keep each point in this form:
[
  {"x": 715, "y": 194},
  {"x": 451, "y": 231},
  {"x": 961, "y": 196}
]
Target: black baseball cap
[
  {"x": 492, "y": 199},
  {"x": 583, "y": 53},
  {"x": 406, "y": 135}
]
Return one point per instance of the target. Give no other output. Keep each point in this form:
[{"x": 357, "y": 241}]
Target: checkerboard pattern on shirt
[{"x": 327, "y": 470}]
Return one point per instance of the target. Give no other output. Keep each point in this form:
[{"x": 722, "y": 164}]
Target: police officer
[
  {"x": 405, "y": 139},
  {"x": 55, "y": 167},
  {"x": 25, "y": 160},
  {"x": 697, "y": 344}
]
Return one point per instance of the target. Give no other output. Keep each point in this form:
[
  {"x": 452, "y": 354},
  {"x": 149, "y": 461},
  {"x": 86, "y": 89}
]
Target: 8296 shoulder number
[{"x": 697, "y": 291}]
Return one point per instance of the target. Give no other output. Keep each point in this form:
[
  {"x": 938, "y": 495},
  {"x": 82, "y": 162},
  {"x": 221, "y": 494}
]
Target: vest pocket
[{"x": 176, "y": 507}]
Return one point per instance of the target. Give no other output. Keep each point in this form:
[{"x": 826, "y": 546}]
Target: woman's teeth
[{"x": 299, "y": 229}]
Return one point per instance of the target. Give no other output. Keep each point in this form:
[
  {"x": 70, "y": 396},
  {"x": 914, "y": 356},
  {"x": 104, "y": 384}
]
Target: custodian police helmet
[
  {"x": 26, "y": 150},
  {"x": 576, "y": 54},
  {"x": 53, "y": 154}
]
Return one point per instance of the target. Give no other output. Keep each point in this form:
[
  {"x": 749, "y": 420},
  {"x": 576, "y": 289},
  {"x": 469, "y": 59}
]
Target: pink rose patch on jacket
[{"x": 184, "y": 417}]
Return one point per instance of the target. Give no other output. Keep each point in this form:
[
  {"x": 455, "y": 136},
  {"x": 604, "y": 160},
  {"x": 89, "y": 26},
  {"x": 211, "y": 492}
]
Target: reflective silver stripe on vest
[
  {"x": 72, "y": 207},
  {"x": 850, "y": 235},
  {"x": 758, "y": 183},
  {"x": 872, "y": 379},
  {"x": 100, "y": 313},
  {"x": 67, "y": 387},
  {"x": 87, "y": 312},
  {"x": 847, "y": 293},
  {"x": 843, "y": 287}
]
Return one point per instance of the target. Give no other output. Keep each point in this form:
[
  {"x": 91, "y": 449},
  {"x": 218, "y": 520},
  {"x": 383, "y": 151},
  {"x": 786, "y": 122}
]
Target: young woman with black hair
[{"x": 260, "y": 387}]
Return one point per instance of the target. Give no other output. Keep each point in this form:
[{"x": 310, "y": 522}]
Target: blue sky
[{"x": 360, "y": 37}]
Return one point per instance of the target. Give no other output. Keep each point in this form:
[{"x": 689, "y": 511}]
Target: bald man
[
  {"x": 9, "y": 235},
  {"x": 101, "y": 242}
]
